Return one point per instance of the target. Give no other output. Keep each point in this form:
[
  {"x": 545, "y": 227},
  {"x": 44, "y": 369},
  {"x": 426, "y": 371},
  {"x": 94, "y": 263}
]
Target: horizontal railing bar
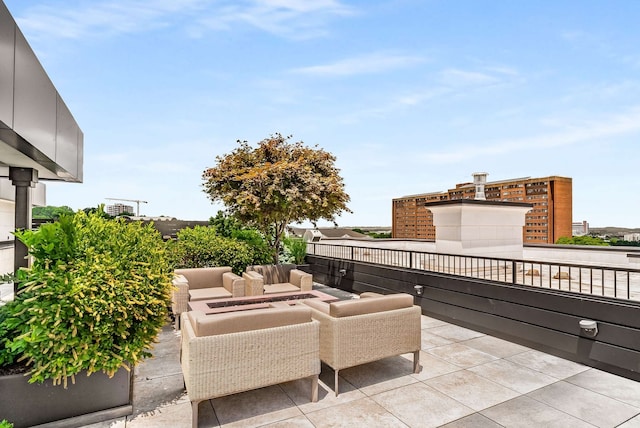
[{"x": 494, "y": 268}]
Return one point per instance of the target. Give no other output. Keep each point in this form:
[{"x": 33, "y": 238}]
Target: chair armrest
[
  {"x": 234, "y": 284},
  {"x": 301, "y": 279},
  {"x": 253, "y": 283},
  {"x": 180, "y": 296}
]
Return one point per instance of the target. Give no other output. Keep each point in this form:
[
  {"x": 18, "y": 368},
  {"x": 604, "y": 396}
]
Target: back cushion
[
  {"x": 257, "y": 319},
  {"x": 273, "y": 274},
  {"x": 204, "y": 277},
  {"x": 347, "y": 308}
]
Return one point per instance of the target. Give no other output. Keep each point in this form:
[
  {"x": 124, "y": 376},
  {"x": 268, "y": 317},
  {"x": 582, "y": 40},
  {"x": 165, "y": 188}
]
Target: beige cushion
[
  {"x": 280, "y": 288},
  {"x": 370, "y": 294},
  {"x": 257, "y": 319},
  {"x": 208, "y": 293},
  {"x": 317, "y": 304},
  {"x": 347, "y": 308},
  {"x": 204, "y": 277},
  {"x": 273, "y": 274}
]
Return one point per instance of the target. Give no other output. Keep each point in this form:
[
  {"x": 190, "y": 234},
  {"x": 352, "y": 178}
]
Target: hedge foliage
[
  {"x": 94, "y": 299},
  {"x": 201, "y": 246}
]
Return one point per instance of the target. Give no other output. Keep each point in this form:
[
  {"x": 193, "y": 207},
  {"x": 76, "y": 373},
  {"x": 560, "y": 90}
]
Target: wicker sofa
[
  {"x": 354, "y": 332},
  {"x": 282, "y": 278},
  {"x": 224, "y": 354},
  {"x": 203, "y": 284}
]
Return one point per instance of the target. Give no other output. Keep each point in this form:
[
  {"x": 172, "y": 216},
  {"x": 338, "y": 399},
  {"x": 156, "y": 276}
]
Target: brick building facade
[{"x": 549, "y": 219}]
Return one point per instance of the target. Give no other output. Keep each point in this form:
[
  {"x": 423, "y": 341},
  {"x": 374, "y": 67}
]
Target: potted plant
[
  {"x": 295, "y": 250},
  {"x": 87, "y": 310}
]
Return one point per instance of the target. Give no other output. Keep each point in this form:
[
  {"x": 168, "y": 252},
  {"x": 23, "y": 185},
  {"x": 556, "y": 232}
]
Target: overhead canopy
[{"x": 37, "y": 129}]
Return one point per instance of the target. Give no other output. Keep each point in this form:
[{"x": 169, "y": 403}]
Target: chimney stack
[{"x": 480, "y": 179}]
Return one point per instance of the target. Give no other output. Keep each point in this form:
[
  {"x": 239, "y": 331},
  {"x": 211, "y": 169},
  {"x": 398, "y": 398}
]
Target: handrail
[{"x": 619, "y": 283}]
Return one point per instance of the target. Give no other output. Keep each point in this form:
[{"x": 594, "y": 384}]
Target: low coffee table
[{"x": 215, "y": 306}]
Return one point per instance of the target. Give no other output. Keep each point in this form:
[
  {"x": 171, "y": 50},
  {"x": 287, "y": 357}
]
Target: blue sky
[{"x": 410, "y": 96}]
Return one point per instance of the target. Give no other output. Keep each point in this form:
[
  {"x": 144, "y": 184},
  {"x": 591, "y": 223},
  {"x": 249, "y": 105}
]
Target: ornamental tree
[{"x": 277, "y": 183}]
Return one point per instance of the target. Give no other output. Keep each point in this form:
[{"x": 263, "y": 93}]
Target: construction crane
[{"x": 137, "y": 201}]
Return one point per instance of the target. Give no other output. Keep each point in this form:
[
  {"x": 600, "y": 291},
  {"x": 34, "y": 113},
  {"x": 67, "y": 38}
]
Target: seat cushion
[
  {"x": 257, "y": 319},
  {"x": 273, "y": 274},
  {"x": 283, "y": 287},
  {"x": 204, "y": 277},
  {"x": 347, "y": 308},
  {"x": 209, "y": 293}
]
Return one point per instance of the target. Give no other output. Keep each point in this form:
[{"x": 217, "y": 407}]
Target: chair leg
[
  {"x": 335, "y": 382},
  {"x": 194, "y": 414},
  {"x": 314, "y": 388},
  {"x": 416, "y": 362}
]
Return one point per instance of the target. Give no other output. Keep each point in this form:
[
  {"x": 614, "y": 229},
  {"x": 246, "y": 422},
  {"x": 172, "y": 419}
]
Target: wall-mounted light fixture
[
  {"x": 589, "y": 327},
  {"x": 419, "y": 289},
  {"x": 342, "y": 272}
]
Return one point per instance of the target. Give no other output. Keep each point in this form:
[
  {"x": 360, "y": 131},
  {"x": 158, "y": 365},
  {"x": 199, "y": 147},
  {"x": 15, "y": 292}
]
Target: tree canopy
[
  {"x": 581, "y": 240},
  {"x": 277, "y": 183},
  {"x": 50, "y": 212}
]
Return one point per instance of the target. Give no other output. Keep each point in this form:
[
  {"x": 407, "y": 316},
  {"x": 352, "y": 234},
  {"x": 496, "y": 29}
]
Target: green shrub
[
  {"x": 5, "y": 424},
  {"x": 94, "y": 299},
  {"x": 260, "y": 250},
  {"x": 202, "y": 247},
  {"x": 295, "y": 250}
]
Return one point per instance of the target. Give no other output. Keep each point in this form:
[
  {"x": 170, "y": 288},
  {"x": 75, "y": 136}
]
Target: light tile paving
[
  {"x": 360, "y": 413},
  {"x": 419, "y": 405},
  {"x": 472, "y": 390},
  {"x": 455, "y": 333},
  {"x": 513, "y": 376},
  {"x": 631, "y": 423},
  {"x": 585, "y": 405},
  {"x": 620, "y": 388},
  {"x": 461, "y": 355},
  {"x": 379, "y": 376},
  {"x": 525, "y": 412},
  {"x": 496, "y": 347},
  {"x": 548, "y": 364}
]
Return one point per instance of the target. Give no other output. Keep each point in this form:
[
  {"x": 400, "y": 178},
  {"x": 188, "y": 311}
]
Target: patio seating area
[{"x": 468, "y": 379}]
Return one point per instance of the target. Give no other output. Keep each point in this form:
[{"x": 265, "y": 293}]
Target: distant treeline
[{"x": 595, "y": 240}]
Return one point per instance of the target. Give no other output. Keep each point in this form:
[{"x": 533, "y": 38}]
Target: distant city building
[
  {"x": 549, "y": 219},
  {"x": 632, "y": 237},
  {"x": 580, "y": 229},
  {"x": 117, "y": 209}
]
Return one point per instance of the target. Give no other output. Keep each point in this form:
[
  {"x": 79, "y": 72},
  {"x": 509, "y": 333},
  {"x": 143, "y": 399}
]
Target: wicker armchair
[
  {"x": 202, "y": 284},
  {"x": 283, "y": 278},
  {"x": 224, "y": 354},
  {"x": 354, "y": 332}
]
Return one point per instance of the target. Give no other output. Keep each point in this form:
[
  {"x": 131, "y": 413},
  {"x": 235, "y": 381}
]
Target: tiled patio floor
[{"x": 468, "y": 379}]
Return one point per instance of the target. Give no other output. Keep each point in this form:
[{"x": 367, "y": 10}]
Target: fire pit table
[{"x": 215, "y": 306}]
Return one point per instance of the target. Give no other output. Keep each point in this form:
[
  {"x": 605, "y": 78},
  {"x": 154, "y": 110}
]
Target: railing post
[
  {"x": 352, "y": 259},
  {"x": 514, "y": 273}
]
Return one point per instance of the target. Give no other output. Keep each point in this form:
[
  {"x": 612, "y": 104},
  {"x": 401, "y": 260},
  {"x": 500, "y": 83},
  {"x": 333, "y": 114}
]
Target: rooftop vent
[{"x": 480, "y": 179}]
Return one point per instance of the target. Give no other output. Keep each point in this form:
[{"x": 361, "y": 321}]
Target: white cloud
[
  {"x": 296, "y": 19},
  {"x": 365, "y": 64},
  {"x": 102, "y": 18},
  {"x": 293, "y": 18},
  {"x": 455, "y": 77},
  {"x": 572, "y": 134}
]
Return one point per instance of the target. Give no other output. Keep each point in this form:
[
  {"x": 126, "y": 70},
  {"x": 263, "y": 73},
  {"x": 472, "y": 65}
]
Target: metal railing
[{"x": 612, "y": 282}]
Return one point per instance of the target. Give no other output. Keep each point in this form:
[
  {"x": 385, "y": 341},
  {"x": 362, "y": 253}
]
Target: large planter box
[{"x": 91, "y": 399}]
